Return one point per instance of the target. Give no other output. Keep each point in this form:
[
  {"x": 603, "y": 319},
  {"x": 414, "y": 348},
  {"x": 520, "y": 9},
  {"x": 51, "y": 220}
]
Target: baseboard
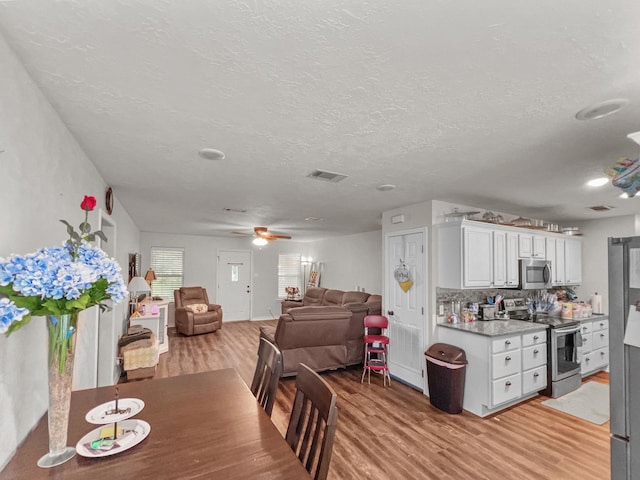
[{"x": 261, "y": 319}]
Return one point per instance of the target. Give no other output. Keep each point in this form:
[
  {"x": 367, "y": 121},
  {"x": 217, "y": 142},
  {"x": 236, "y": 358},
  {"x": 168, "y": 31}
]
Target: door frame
[
  {"x": 236, "y": 250},
  {"x": 387, "y": 274}
]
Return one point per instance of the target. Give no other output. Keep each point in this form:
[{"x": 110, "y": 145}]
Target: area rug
[{"x": 590, "y": 402}]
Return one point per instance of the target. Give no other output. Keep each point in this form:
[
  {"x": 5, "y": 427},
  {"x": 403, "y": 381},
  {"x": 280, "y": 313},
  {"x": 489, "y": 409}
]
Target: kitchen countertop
[
  {"x": 495, "y": 328},
  {"x": 597, "y": 316}
]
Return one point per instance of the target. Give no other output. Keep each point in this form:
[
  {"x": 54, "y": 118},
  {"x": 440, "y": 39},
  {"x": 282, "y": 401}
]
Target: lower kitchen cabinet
[
  {"x": 502, "y": 370},
  {"x": 595, "y": 346}
]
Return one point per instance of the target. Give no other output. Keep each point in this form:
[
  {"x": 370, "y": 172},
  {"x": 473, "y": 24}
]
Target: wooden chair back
[
  {"x": 313, "y": 422},
  {"x": 267, "y": 374}
]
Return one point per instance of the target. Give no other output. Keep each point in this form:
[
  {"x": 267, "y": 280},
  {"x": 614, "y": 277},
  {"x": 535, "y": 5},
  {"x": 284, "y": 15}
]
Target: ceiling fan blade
[
  {"x": 244, "y": 234},
  {"x": 286, "y": 237}
]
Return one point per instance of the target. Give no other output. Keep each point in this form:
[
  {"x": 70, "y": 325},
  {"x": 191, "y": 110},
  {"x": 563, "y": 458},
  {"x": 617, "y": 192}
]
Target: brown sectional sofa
[{"x": 317, "y": 302}]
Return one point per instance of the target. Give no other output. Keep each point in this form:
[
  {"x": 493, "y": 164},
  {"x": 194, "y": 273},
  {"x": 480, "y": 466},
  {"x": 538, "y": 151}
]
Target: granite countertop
[
  {"x": 595, "y": 316},
  {"x": 495, "y": 328}
]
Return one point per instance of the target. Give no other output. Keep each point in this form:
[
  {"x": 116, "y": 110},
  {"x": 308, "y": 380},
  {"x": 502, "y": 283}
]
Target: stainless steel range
[{"x": 563, "y": 341}]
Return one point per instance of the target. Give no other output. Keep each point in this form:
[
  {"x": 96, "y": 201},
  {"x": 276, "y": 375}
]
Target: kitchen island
[{"x": 507, "y": 361}]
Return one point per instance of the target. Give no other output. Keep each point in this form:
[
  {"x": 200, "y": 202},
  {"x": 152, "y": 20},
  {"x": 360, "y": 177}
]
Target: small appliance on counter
[{"x": 487, "y": 312}]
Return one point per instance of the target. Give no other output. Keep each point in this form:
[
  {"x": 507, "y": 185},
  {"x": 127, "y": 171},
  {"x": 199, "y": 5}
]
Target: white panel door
[
  {"x": 405, "y": 310},
  {"x": 234, "y": 285}
]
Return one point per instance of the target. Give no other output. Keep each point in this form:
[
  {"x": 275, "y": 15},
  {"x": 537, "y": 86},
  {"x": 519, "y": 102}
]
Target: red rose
[{"x": 89, "y": 203}]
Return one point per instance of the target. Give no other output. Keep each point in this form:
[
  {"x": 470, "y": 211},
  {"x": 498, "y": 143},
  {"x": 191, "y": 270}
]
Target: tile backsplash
[{"x": 444, "y": 296}]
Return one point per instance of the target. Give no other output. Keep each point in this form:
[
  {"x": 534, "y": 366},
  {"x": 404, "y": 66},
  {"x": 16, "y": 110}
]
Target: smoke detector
[{"x": 602, "y": 109}]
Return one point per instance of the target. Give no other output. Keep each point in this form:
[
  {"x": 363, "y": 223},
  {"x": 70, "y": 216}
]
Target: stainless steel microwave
[{"x": 535, "y": 274}]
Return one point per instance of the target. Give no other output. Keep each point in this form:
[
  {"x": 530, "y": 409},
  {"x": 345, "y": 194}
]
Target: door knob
[{"x": 389, "y": 312}]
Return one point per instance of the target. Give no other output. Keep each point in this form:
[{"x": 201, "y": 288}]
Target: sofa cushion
[
  {"x": 197, "y": 307},
  {"x": 333, "y": 297},
  {"x": 313, "y": 296},
  {"x": 355, "y": 297}
]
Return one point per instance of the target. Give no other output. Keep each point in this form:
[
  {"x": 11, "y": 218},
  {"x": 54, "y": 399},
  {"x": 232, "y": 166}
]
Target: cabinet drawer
[
  {"x": 600, "y": 357},
  {"x": 600, "y": 339},
  {"x": 506, "y": 389},
  {"x": 587, "y": 341},
  {"x": 505, "y": 344},
  {"x": 534, "y": 380},
  {"x": 586, "y": 327},
  {"x": 534, "y": 356},
  {"x": 597, "y": 325},
  {"x": 534, "y": 338},
  {"x": 506, "y": 363}
]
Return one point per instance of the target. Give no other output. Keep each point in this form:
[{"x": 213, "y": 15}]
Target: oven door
[{"x": 564, "y": 352}]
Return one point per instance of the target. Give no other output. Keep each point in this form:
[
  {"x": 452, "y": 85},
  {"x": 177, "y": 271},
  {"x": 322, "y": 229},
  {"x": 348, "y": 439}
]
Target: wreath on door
[{"x": 403, "y": 277}]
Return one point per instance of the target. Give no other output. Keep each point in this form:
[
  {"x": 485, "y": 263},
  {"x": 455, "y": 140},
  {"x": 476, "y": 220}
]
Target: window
[
  {"x": 289, "y": 274},
  {"x": 167, "y": 263}
]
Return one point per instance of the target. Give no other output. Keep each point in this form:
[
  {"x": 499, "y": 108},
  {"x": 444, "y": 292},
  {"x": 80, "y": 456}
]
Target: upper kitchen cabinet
[
  {"x": 472, "y": 256},
  {"x": 556, "y": 255},
  {"x": 573, "y": 261},
  {"x": 531, "y": 245}
]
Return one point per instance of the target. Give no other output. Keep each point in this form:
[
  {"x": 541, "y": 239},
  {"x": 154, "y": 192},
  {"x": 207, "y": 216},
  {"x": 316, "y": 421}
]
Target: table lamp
[
  {"x": 136, "y": 286},
  {"x": 150, "y": 276}
]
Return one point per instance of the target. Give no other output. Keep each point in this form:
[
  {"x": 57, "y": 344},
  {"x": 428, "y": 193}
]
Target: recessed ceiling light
[
  {"x": 598, "y": 182},
  {"x": 235, "y": 210},
  {"x": 211, "y": 154},
  {"x": 386, "y": 187},
  {"x": 601, "y": 109},
  {"x": 313, "y": 219}
]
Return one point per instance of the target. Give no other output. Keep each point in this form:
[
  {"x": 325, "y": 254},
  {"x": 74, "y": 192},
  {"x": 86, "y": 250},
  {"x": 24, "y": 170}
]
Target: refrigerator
[{"x": 624, "y": 356}]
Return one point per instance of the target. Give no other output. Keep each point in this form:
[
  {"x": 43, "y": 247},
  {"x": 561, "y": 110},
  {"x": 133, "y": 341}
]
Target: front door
[
  {"x": 405, "y": 302},
  {"x": 234, "y": 284}
]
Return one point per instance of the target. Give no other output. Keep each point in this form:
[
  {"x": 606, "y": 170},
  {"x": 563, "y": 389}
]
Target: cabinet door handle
[
  {"x": 508, "y": 384},
  {"x": 602, "y": 335},
  {"x": 536, "y": 337},
  {"x": 507, "y": 342},
  {"x": 507, "y": 358},
  {"x": 535, "y": 352},
  {"x": 602, "y": 354},
  {"x": 536, "y": 374},
  {"x": 587, "y": 359}
]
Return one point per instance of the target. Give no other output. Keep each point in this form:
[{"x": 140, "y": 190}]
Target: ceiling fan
[{"x": 263, "y": 235}]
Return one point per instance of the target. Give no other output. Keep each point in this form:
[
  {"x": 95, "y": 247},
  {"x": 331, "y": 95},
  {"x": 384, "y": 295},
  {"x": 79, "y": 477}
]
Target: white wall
[
  {"x": 200, "y": 264},
  {"x": 350, "y": 261},
  {"x": 595, "y": 254},
  {"x": 45, "y": 175}
]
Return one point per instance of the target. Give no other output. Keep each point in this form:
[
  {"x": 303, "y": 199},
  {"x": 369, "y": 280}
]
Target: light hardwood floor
[{"x": 395, "y": 433}]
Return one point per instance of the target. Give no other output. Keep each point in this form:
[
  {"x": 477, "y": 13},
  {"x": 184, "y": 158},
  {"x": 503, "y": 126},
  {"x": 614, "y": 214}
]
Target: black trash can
[{"x": 446, "y": 368}]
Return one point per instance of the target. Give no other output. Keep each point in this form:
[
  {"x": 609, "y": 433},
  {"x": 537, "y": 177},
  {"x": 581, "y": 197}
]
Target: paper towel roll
[{"x": 596, "y": 303}]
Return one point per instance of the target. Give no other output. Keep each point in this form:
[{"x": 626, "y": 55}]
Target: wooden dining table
[{"x": 204, "y": 425}]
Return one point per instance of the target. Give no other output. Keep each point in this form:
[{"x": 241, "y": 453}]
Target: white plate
[
  {"x": 98, "y": 415},
  {"x": 135, "y": 431}
]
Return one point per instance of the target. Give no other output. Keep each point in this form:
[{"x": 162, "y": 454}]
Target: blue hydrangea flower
[{"x": 9, "y": 313}]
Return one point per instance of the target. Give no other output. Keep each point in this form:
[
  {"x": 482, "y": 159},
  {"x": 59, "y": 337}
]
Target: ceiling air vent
[
  {"x": 328, "y": 176},
  {"x": 601, "y": 208}
]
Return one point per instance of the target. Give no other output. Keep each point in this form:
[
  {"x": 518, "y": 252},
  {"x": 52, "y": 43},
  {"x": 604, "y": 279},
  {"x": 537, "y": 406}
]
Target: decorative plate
[
  {"x": 102, "y": 414},
  {"x": 133, "y": 432}
]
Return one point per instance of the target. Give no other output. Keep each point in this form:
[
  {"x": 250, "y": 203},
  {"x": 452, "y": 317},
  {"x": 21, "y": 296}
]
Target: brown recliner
[{"x": 193, "y": 323}]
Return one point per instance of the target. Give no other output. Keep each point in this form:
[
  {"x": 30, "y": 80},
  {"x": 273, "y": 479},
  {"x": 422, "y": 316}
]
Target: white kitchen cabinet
[
  {"x": 502, "y": 370},
  {"x": 479, "y": 255},
  {"x": 531, "y": 246},
  {"x": 471, "y": 255},
  {"x": 499, "y": 259},
  {"x": 573, "y": 261},
  {"x": 513, "y": 272},
  {"x": 595, "y": 346}
]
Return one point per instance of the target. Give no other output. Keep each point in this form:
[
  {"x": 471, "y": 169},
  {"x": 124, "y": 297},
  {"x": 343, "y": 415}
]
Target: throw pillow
[{"x": 197, "y": 307}]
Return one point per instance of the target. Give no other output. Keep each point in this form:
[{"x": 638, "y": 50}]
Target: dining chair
[
  {"x": 267, "y": 374},
  {"x": 313, "y": 421}
]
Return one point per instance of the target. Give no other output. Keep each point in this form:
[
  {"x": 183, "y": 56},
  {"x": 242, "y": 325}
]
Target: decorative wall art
[
  {"x": 403, "y": 277},
  {"x": 625, "y": 175}
]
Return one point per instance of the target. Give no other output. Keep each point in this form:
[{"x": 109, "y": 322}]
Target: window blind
[
  {"x": 168, "y": 265},
  {"x": 289, "y": 274}
]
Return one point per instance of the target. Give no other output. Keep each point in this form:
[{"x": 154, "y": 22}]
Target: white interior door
[
  {"x": 406, "y": 310},
  {"x": 234, "y": 284}
]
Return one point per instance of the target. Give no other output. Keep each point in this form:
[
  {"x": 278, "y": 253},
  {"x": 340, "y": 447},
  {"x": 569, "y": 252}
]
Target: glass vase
[{"x": 62, "y": 346}]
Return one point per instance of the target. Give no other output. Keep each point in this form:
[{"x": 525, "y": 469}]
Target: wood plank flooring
[{"x": 395, "y": 433}]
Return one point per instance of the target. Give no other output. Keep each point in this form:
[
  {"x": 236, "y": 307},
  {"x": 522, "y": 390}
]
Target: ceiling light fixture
[
  {"x": 259, "y": 241},
  {"x": 624, "y": 195},
  {"x": 602, "y": 109},
  {"x": 313, "y": 219},
  {"x": 598, "y": 182},
  {"x": 386, "y": 187},
  {"x": 211, "y": 154}
]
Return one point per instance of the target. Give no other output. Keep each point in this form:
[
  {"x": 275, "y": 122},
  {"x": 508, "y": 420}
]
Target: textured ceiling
[{"x": 469, "y": 102}]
